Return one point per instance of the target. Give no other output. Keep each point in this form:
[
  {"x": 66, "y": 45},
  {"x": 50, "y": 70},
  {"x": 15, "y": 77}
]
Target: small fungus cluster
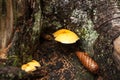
[{"x": 30, "y": 66}]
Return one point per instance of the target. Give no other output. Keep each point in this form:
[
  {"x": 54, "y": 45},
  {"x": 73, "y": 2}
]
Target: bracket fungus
[
  {"x": 65, "y": 36},
  {"x": 30, "y": 66}
]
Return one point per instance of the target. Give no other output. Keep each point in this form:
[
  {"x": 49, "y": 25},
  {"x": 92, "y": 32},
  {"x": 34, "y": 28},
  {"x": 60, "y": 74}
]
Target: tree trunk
[
  {"x": 24, "y": 24},
  {"x": 20, "y": 28},
  {"x": 107, "y": 25},
  {"x": 6, "y": 26}
]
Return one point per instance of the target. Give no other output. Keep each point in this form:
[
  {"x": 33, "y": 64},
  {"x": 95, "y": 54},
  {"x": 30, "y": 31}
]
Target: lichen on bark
[
  {"x": 85, "y": 30},
  {"x": 37, "y": 25}
]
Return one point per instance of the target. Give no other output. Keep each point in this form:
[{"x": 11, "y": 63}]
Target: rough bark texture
[
  {"x": 24, "y": 16},
  {"x": 26, "y": 31},
  {"x": 6, "y": 26},
  {"x": 107, "y": 25},
  {"x": 59, "y": 61}
]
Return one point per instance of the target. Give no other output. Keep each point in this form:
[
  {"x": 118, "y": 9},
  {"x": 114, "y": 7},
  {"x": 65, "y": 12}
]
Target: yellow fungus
[
  {"x": 65, "y": 36},
  {"x": 61, "y": 31},
  {"x": 24, "y": 66},
  {"x": 34, "y": 63},
  {"x": 30, "y": 66}
]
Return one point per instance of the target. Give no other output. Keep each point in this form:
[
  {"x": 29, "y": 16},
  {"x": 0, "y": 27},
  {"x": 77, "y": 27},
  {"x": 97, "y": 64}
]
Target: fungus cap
[
  {"x": 34, "y": 63},
  {"x": 30, "y": 66},
  {"x": 65, "y": 36},
  {"x": 24, "y": 66}
]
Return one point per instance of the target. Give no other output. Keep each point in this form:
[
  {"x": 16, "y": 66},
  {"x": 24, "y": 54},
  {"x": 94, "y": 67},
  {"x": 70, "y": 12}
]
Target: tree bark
[
  {"x": 28, "y": 19},
  {"x": 107, "y": 25},
  {"x": 20, "y": 26},
  {"x": 6, "y": 26}
]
